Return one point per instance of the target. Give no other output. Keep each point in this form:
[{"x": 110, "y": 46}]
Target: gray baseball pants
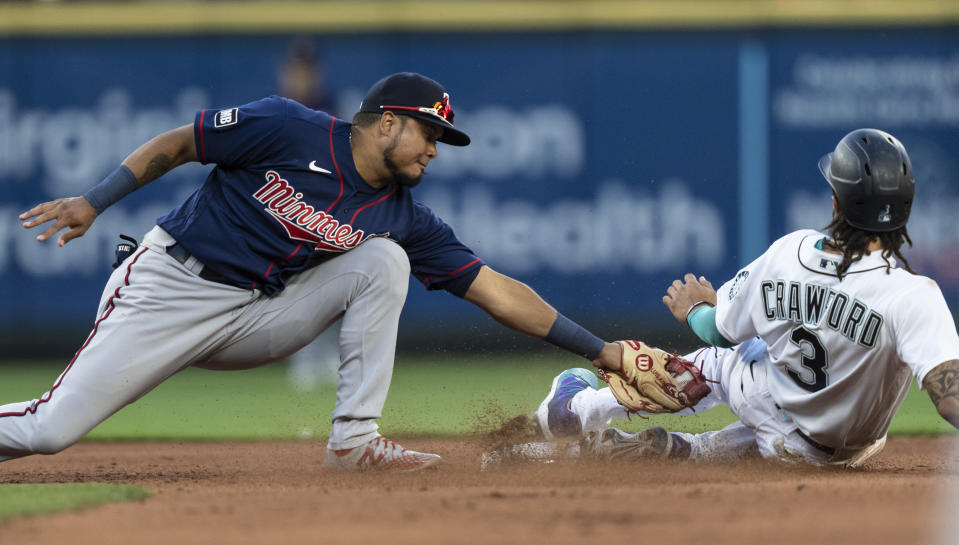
[{"x": 157, "y": 316}]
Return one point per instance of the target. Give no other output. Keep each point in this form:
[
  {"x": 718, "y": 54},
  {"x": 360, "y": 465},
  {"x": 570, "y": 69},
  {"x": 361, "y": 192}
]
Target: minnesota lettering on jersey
[
  {"x": 813, "y": 303},
  {"x": 302, "y": 221}
]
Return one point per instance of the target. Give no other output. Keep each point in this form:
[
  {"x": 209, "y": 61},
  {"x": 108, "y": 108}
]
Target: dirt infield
[{"x": 278, "y": 493}]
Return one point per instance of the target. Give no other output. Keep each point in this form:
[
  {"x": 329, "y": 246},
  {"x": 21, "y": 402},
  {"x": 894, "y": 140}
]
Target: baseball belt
[{"x": 178, "y": 252}]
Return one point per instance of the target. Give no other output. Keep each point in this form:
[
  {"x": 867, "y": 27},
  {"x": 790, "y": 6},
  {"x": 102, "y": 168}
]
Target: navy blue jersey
[{"x": 285, "y": 194}]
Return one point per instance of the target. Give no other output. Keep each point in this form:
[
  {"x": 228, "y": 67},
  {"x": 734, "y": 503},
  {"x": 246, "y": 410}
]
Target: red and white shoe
[{"x": 379, "y": 454}]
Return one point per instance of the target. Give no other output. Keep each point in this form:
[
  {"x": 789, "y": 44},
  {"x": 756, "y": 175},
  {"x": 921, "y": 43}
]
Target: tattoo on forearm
[
  {"x": 158, "y": 166},
  {"x": 943, "y": 381}
]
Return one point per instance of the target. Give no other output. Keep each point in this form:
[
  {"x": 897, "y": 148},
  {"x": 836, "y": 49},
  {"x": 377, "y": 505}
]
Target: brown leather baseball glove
[{"x": 654, "y": 381}]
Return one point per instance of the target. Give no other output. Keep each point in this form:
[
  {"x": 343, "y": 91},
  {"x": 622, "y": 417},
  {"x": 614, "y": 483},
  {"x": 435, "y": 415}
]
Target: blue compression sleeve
[
  {"x": 567, "y": 334},
  {"x": 118, "y": 184},
  {"x": 703, "y": 323}
]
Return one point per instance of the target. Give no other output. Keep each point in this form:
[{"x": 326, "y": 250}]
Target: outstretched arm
[
  {"x": 147, "y": 163},
  {"x": 511, "y": 303},
  {"x": 517, "y": 306},
  {"x": 942, "y": 383}
]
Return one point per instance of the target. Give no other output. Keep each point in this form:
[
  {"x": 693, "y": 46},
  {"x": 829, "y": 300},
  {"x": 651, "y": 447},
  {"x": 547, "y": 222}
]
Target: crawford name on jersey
[{"x": 813, "y": 304}]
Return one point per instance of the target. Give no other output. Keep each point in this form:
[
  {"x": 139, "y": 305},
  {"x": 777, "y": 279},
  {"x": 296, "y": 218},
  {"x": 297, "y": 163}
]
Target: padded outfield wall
[{"x": 616, "y": 145}]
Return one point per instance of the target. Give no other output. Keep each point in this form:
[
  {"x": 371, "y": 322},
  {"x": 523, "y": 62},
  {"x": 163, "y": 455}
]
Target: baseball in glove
[{"x": 654, "y": 381}]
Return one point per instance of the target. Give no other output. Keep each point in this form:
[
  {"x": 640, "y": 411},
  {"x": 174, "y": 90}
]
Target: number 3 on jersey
[{"x": 814, "y": 359}]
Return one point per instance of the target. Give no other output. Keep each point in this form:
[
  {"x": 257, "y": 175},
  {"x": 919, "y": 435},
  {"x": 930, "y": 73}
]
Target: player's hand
[
  {"x": 73, "y": 214},
  {"x": 610, "y": 358},
  {"x": 683, "y": 294}
]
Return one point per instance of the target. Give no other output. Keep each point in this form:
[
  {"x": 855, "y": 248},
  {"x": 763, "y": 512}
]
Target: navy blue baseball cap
[{"x": 415, "y": 95}]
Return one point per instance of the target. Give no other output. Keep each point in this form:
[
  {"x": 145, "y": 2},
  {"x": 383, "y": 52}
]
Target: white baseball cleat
[{"x": 379, "y": 454}]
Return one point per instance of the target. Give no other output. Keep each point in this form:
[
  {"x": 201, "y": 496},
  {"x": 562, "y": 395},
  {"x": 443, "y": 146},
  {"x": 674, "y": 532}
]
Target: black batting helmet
[{"x": 871, "y": 176}]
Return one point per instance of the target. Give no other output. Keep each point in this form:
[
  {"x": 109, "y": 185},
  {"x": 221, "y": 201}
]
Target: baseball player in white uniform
[{"x": 815, "y": 342}]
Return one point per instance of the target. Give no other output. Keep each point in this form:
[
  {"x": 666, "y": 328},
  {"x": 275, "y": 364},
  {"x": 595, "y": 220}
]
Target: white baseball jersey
[{"x": 844, "y": 351}]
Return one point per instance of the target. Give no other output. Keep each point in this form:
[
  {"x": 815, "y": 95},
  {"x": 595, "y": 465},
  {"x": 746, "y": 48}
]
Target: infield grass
[
  {"x": 430, "y": 396},
  {"x": 19, "y": 500}
]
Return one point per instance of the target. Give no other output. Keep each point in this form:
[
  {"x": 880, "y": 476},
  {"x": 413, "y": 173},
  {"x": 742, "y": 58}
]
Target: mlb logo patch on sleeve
[{"x": 225, "y": 118}]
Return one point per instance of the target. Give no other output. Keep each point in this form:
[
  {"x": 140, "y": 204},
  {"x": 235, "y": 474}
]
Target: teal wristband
[
  {"x": 118, "y": 184},
  {"x": 702, "y": 320}
]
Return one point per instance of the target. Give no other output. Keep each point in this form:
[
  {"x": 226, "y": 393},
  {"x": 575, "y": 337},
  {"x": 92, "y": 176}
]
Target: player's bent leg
[
  {"x": 275, "y": 327},
  {"x": 368, "y": 345},
  {"x": 596, "y": 409},
  {"x": 142, "y": 336},
  {"x": 365, "y": 288},
  {"x": 730, "y": 443}
]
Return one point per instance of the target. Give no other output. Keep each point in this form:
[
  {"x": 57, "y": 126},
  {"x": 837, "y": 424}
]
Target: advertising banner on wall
[{"x": 603, "y": 165}]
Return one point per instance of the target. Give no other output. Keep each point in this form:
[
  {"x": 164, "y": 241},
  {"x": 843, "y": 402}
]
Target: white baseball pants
[
  {"x": 156, "y": 317},
  {"x": 740, "y": 382}
]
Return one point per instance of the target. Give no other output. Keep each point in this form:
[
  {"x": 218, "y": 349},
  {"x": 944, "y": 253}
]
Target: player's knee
[
  {"x": 52, "y": 441},
  {"x": 390, "y": 266},
  {"x": 391, "y": 256}
]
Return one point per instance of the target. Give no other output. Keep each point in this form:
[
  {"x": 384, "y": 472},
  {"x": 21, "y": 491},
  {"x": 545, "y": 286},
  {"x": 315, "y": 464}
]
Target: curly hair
[{"x": 853, "y": 243}]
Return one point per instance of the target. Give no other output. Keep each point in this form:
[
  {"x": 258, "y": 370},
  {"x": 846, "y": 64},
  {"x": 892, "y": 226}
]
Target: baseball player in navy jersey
[
  {"x": 305, "y": 220},
  {"x": 815, "y": 342}
]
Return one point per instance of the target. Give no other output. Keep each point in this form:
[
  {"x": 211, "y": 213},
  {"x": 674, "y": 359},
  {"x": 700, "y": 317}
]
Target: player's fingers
[
  {"x": 38, "y": 211},
  {"x": 35, "y": 210},
  {"x": 690, "y": 278},
  {"x": 707, "y": 283},
  {"x": 70, "y": 235},
  {"x": 41, "y": 218},
  {"x": 52, "y": 230}
]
